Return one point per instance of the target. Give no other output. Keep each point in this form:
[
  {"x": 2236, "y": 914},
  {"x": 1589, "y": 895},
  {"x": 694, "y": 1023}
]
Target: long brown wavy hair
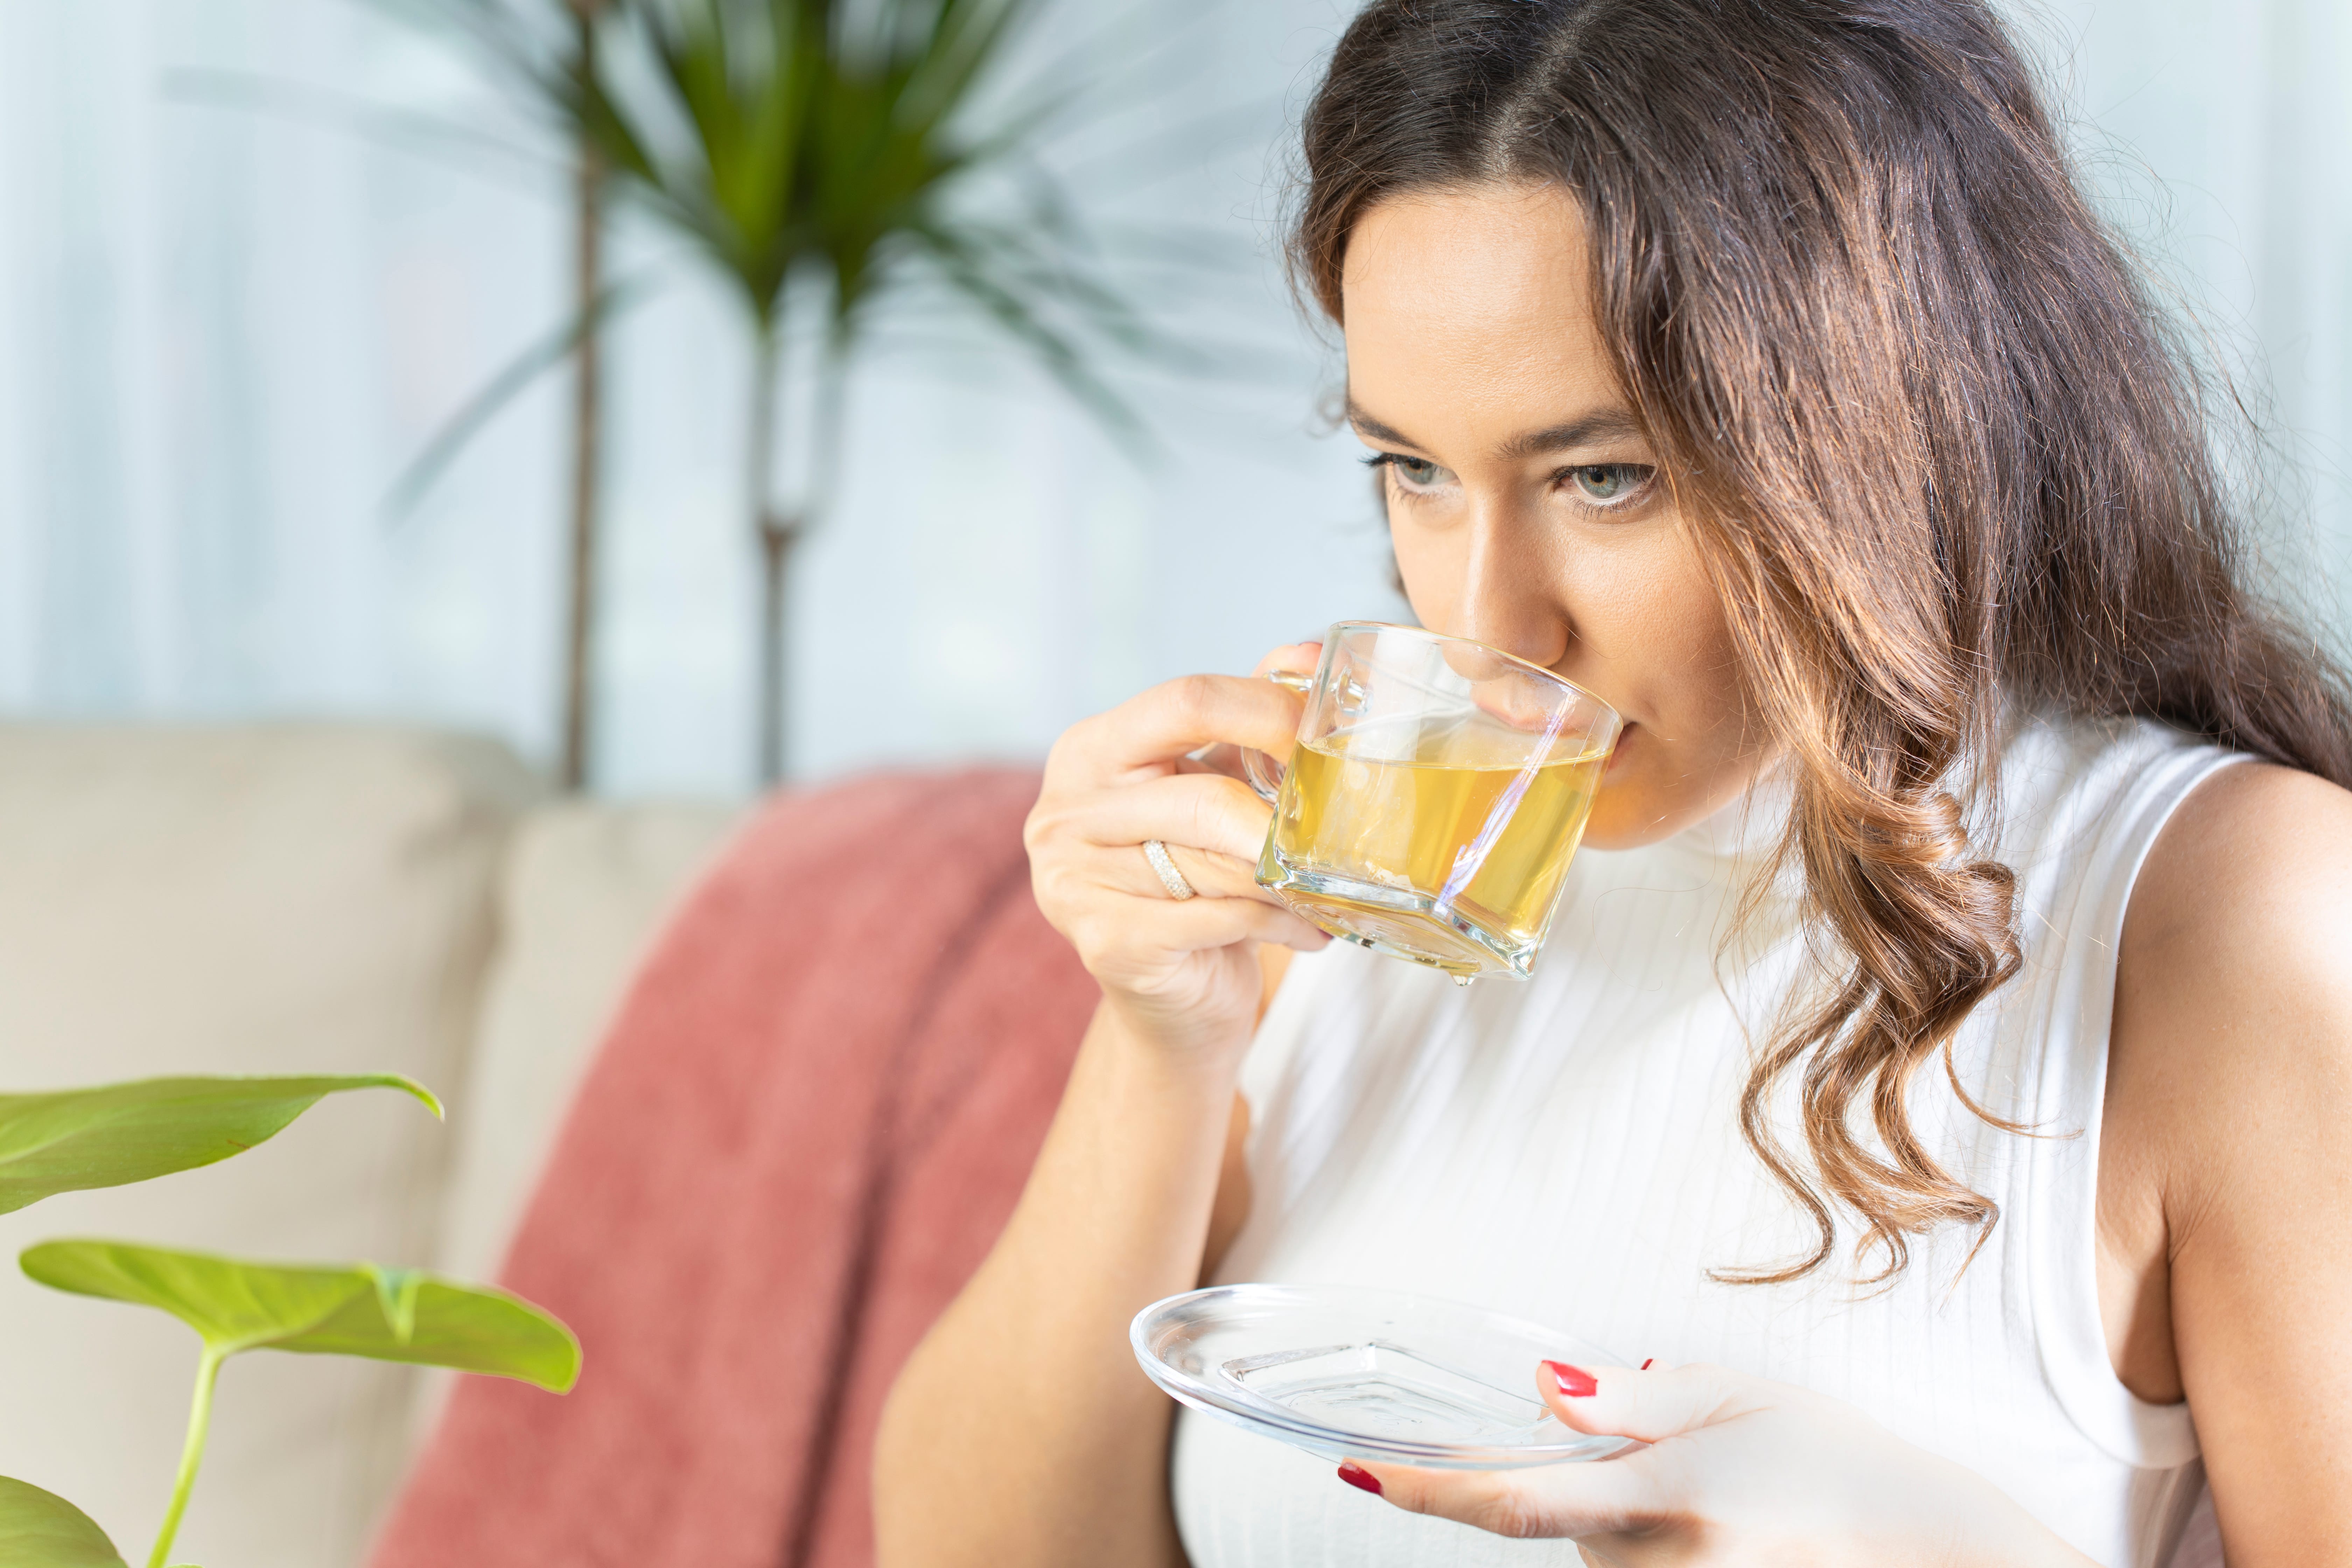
[{"x": 1940, "y": 451}]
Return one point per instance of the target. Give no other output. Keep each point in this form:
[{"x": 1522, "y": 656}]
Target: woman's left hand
[{"x": 1738, "y": 1470}]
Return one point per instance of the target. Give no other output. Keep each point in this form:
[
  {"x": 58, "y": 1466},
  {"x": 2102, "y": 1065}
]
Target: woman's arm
[
  {"x": 2227, "y": 1147},
  {"x": 1021, "y": 1430}
]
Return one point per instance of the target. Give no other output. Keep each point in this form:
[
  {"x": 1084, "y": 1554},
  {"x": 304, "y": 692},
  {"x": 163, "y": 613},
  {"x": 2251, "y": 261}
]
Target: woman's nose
[{"x": 1507, "y": 603}]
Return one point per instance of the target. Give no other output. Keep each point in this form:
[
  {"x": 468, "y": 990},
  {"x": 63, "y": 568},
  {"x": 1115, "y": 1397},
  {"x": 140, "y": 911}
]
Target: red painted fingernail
[
  {"x": 1645, "y": 1365},
  {"x": 1355, "y": 1475},
  {"x": 1574, "y": 1381}
]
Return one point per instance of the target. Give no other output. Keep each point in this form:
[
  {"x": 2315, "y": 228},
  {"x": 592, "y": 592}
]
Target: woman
[{"x": 1935, "y": 1079}]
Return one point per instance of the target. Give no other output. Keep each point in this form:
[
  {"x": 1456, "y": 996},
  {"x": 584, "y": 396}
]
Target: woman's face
[{"x": 1526, "y": 506}]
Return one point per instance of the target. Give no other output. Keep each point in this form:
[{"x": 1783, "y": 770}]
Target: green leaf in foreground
[
  {"x": 358, "y": 1309},
  {"x": 41, "y": 1530},
  {"x": 121, "y": 1132},
  {"x": 354, "y": 1309}
]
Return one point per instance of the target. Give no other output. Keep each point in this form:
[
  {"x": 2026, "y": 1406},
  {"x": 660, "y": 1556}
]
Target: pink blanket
[{"x": 811, "y": 1118}]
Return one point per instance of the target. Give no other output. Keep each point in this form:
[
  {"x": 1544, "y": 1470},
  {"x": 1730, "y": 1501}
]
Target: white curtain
[
  {"x": 2217, "y": 131},
  {"x": 225, "y": 327}
]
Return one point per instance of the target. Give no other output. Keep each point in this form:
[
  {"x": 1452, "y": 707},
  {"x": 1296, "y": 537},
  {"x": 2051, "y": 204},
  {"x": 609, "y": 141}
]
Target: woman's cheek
[{"x": 1432, "y": 583}]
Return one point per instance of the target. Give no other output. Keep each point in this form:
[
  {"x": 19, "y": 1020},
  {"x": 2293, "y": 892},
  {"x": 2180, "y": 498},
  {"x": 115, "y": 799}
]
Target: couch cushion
[
  {"x": 286, "y": 898},
  {"x": 585, "y": 888},
  {"x": 811, "y": 1116}
]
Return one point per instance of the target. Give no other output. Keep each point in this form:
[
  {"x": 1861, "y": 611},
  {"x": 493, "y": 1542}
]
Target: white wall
[
  {"x": 2220, "y": 132},
  {"x": 222, "y": 332}
]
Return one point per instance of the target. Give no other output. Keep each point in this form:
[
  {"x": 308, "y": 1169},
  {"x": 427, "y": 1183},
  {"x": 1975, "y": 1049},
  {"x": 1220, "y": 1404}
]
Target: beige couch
[{"x": 314, "y": 899}]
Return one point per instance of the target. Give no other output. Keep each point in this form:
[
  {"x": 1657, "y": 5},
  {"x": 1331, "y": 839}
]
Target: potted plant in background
[
  {"x": 824, "y": 158},
  {"x": 74, "y": 1140}
]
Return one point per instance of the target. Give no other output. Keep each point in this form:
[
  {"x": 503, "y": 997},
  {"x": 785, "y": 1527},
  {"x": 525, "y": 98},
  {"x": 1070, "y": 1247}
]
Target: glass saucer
[{"x": 1368, "y": 1375}]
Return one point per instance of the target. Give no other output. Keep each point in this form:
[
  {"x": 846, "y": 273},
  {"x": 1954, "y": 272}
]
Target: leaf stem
[{"x": 200, "y": 1415}]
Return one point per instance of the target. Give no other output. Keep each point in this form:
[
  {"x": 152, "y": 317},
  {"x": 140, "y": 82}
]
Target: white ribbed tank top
[{"x": 1568, "y": 1150}]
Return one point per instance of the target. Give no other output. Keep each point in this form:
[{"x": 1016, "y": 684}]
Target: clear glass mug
[{"x": 1438, "y": 790}]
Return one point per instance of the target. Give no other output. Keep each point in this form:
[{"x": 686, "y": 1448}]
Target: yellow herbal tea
[{"x": 1444, "y": 853}]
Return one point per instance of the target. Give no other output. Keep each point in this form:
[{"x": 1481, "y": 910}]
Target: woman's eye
[
  {"x": 1605, "y": 484},
  {"x": 1418, "y": 473}
]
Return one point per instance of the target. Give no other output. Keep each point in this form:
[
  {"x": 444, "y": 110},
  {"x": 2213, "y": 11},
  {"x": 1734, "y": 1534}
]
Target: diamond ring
[{"x": 1169, "y": 877}]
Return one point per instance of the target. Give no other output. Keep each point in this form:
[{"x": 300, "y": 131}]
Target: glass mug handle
[{"x": 1265, "y": 773}]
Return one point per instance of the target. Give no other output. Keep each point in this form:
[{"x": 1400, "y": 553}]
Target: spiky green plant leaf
[
  {"x": 41, "y": 1530},
  {"x": 837, "y": 149},
  {"x": 357, "y": 1309},
  {"x": 783, "y": 138},
  {"x": 121, "y": 1132}
]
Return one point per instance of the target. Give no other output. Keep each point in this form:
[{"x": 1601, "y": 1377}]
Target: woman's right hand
[{"x": 1184, "y": 973}]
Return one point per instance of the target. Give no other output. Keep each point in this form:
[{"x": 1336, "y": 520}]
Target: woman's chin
[
  {"x": 1628, "y": 818},
  {"x": 1630, "y": 808},
  {"x": 1636, "y": 806}
]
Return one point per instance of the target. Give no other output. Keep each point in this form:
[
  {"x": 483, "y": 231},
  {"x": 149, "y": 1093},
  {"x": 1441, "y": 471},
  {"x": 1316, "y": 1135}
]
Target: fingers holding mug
[
  {"x": 1203, "y": 812},
  {"x": 1151, "y": 732},
  {"x": 1290, "y": 667},
  {"x": 1145, "y": 946},
  {"x": 1161, "y": 868},
  {"x": 1298, "y": 659},
  {"x": 1176, "y": 837},
  {"x": 1149, "y": 865}
]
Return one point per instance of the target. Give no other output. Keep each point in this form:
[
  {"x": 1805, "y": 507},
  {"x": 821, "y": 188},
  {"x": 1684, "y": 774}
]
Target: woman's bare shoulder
[
  {"x": 2231, "y": 1056},
  {"x": 2248, "y": 890},
  {"x": 2230, "y": 1080}
]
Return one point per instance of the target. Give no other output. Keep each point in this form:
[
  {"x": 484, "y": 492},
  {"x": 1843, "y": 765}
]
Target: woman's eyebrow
[
  {"x": 1365, "y": 425},
  {"x": 1602, "y": 425}
]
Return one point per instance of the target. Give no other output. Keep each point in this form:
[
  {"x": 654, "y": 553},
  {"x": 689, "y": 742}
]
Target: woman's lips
[{"x": 1617, "y": 752}]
